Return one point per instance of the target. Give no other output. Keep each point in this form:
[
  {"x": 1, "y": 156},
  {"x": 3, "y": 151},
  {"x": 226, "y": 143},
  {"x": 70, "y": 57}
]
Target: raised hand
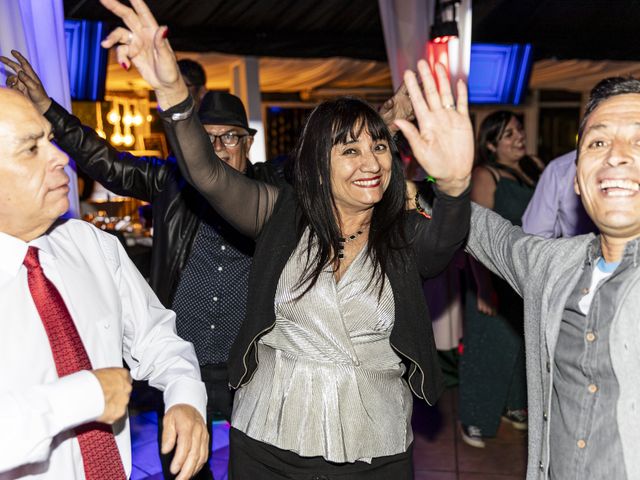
[
  {"x": 443, "y": 141},
  {"x": 143, "y": 43},
  {"x": 26, "y": 80}
]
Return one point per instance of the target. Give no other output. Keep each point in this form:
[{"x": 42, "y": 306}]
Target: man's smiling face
[{"x": 608, "y": 170}]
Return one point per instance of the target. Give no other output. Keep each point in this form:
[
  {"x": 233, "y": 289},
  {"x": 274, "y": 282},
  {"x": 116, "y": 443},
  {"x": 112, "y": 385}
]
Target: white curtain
[
  {"x": 36, "y": 29},
  {"x": 406, "y": 25}
]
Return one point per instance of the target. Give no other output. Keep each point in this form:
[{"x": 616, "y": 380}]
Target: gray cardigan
[{"x": 544, "y": 272}]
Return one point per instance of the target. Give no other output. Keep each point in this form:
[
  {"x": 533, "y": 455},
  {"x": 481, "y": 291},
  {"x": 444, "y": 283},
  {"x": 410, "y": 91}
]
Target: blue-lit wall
[
  {"x": 87, "y": 60},
  {"x": 499, "y": 73}
]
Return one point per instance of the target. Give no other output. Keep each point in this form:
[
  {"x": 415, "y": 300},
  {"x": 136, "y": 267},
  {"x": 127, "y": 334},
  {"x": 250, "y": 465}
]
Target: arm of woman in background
[
  {"x": 483, "y": 189},
  {"x": 247, "y": 204}
]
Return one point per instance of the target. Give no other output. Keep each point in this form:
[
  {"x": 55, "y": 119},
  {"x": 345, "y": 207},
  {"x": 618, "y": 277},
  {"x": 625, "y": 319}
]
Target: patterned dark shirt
[{"x": 211, "y": 296}]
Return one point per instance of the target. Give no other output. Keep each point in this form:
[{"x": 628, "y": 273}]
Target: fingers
[
  {"x": 122, "y": 55},
  {"x": 144, "y": 14},
  {"x": 30, "y": 83},
  {"x": 417, "y": 99},
  {"x": 11, "y": 64},
  {"x": 182, "y": 451},
  {"x": 26, "y": 66},
  {"x": 169, "y": 434},
  {"x": 12, "y": 80},
  {"x": 430, "y": 88},
  {"x": 446, "y": 97},
  {"x": 463, "y": 97},
  {"x": 410, "y": 132},
  {"x": 162, "y": 46},
  {"x": 128, "y": 15},
  {"x": 117, "y": 36},
  {"x": 198, "y": 454},
  {"x": 116, "y": 387}
]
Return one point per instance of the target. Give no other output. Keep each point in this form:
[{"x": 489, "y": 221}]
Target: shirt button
[
  {"x": 215, "y": 299},
  {"x": 590, "y": 336},
  {"x": 213, "y": 327},
  {"x": 585, "y": 291},
  {"x": 106, "y": 326},
  {"x": 219, "y": 269},
  {"x": 592, "y": 388},
  {"x": 545, "y": 416},
  {"x": 223, "y": 247},
  {"x": 541, "y": 465},
  {"x": 548, "y": 367},
  {"x": 581, "y": 444}
]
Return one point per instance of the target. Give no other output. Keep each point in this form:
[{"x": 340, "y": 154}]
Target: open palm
[{"x": 443, "y": 142}]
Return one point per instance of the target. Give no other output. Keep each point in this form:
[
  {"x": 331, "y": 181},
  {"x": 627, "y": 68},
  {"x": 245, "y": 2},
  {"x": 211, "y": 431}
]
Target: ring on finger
[
  {"x": 130, "y": 38},
  {"x": 451, "y": 106}
]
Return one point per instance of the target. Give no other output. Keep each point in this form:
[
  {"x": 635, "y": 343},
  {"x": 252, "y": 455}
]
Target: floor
[{"x": 439, "y": 453}]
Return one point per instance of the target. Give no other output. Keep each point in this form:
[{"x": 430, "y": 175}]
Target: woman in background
[{"x": 492, "y": 368}]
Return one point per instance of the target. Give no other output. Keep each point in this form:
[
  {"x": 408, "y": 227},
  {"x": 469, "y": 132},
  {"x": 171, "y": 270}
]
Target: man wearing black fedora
[{"x": 199, "y": 263}]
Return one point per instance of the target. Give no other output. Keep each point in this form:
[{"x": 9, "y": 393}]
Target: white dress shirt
[{"x": 117, "y": 315}]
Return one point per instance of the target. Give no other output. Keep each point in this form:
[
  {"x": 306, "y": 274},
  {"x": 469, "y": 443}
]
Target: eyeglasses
[{"x": 227, "y": 139}]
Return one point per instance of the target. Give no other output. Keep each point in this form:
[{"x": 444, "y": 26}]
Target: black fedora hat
[{"x": 221, "y": 108}]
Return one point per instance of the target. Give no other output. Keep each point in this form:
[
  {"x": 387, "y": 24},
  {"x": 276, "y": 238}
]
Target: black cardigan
[
  {"x": 440, "y": 237},
  {"x": 412, "y": 334}
]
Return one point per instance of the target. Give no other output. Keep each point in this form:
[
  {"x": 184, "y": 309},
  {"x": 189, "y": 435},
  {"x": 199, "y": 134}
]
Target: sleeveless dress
[{"x": 492, "y": 367}]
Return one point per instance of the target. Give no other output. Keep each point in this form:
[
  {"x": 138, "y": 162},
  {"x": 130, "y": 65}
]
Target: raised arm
[
  {"x": 120, "y": 172},
  {"x": 246, "y": 204},
  {"x": 443, "y": 146},
  {"x": 507, "y": 251}
]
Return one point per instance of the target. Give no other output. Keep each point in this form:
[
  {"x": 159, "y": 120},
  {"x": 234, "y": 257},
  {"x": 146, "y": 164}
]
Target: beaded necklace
[{"x": 342, "y": 241}]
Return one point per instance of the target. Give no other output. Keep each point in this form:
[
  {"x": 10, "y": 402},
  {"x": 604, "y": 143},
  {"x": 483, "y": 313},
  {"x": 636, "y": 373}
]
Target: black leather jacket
[{"x": 177, "y": 207}]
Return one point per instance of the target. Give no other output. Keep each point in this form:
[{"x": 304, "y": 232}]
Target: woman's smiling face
[{"x": 360, "y": 172}]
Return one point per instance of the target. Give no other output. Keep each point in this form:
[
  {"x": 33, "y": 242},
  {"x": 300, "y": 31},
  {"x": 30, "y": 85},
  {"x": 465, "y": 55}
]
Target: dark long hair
[
  {"x": 330, "y": 123},
  {"x": 490, "y": 133}
]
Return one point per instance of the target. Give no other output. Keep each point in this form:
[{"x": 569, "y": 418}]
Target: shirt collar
[
  {"x": 13, "y": 250},
  {"x": 631, "y": 250}
]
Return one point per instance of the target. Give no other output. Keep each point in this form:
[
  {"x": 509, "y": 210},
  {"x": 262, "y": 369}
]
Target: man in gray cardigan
[{"x": 582, "y": 303}]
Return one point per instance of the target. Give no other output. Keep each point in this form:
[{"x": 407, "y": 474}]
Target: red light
[
  {"x": 437, "y": 51},
  {"x": 443, "y": 39}
]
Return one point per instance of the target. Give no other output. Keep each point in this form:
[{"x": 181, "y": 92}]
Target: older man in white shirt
[{"x": 73, "y": 305}]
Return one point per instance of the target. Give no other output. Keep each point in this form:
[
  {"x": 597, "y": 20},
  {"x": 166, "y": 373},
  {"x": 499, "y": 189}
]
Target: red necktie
[{"x": 100, "y": 454}]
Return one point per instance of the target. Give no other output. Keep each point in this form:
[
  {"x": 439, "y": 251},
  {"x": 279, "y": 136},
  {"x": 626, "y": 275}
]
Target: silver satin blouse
[{"x": 328, "y": 382}]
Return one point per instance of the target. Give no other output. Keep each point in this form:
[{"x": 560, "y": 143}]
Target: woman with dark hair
[
  {"x": 336, "y": 335},
  {"x": 491, "y": 369}
]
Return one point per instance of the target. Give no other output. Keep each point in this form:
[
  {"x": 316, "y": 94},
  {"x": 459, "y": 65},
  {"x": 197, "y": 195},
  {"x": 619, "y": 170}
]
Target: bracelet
[{"x": 419, "y": 208}]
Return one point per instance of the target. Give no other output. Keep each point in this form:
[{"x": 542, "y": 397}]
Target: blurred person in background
[
  {"x": 555, "y": 210},
  {"x": 492, "y": 368}
]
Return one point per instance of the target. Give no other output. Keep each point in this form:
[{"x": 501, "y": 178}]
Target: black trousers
[
  {"x": 250, "y": 459},
  {"x": 219, "y": 405}
]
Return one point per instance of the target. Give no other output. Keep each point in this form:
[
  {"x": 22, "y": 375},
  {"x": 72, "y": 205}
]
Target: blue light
[
  {"x": 275, "y": 109},
  {"x": 499, "y": 73},
  {"x": 87, "y": 60}
]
